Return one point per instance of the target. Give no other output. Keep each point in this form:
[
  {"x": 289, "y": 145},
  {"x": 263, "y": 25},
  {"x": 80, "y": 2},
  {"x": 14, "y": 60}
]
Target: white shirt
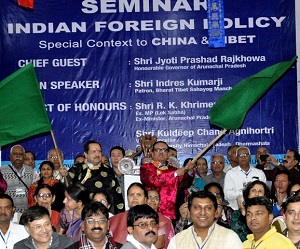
[
  {"x": 14, "y": 234},
  {"x": 227, "y": 168},
  {"x": 217, "y": 237},
  {"x": 137, "y": 244},
  {"x": 235, "y": 181}
]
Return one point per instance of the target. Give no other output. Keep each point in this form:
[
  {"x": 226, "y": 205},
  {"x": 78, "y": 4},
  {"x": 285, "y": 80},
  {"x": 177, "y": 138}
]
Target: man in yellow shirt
[{"x": 259, "y": 218}]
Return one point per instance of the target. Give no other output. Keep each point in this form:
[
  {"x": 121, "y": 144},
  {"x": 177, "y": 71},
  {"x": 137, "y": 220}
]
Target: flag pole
[
  {"x": 221, "y": 134},
  {"x": 58, "y": 154}
]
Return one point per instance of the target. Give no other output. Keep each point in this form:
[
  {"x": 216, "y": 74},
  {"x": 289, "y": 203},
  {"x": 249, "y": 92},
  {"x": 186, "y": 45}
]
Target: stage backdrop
[{"x": 113, "y": 70}]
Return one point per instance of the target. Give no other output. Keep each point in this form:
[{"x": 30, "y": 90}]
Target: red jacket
[{"x": 166, "y": 184}]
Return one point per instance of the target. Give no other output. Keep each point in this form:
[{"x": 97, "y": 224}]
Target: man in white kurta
[{"x": 205, "y": 232}]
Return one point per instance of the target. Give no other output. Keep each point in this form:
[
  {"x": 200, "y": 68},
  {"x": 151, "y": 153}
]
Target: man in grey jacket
[{"x": 37, "y": 223}]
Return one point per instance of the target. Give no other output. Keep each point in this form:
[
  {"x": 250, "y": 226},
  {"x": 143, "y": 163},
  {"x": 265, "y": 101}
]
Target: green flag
[
  {"x": 22, "y": 109},
  {"x": 230, "y": 110}
]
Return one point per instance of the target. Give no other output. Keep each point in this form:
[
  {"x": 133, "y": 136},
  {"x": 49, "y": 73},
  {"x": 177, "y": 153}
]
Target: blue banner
[{"x": 116, "y": 70}]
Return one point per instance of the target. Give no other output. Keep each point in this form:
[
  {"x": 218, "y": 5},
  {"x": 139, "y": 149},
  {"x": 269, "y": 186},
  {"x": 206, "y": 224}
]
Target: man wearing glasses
[
  {"x": 217, "y": 163},
  {"x": 56, "y": 156},
  {"x": 142, "y": 227},
  {"x": 95, "y": 227},
  {"x": 37, "y": 223},
  {"x": 164, "y": 177},
  {"x": 238, "y": 177}
]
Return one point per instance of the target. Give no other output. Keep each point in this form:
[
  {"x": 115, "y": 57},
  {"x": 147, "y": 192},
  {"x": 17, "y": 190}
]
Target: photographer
[{"x": 266, "y": 162}]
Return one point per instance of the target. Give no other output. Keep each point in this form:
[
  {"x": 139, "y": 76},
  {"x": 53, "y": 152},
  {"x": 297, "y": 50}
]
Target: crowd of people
[{"x": 233, "y": 206}]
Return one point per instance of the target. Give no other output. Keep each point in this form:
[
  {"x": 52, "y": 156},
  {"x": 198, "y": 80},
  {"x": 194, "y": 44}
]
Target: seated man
[
  {"x": 10, "y": 232},
  {"x": 281, "y": 183},
  {"x": 259, "y": 218},
  {"x": 142, "y": 227},
  {"x": 291, "y": 217},
  {"x": 37, "y": 223},
  {"x": 95, "y": 227},
  {"x": 205, "y": 232}
]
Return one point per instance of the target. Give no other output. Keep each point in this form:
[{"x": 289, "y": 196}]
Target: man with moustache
[
  {"x": 205, "y": 232},
  {"x": 18, "y": 177},
  {"x": 142, "y": 227},
  {"x": 95, "y": 175},
  {"x": 292, "y": 219},
  {"x": 259, "y": 218},
  {"x": 291, "y": 162},
  {"x": 95, "y": 227},
  {"x": 10, "y": 232}
]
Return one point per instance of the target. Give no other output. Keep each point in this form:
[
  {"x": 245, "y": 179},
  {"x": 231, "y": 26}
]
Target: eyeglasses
[
  {"x": 144, "y": 225},
  {"x": 103, "y": 201},
  {"x": 217, "y": 162},
  {"x": 244, "y": 155},
  {"x": 38, "y": 227},
  {"x": 92, "y": 221},
  {"x": 41, "y": 195},
  {"x": 153, "y": 198},
  {"x": 53, "y": 157},
  {"x": 163, "y": 150}
]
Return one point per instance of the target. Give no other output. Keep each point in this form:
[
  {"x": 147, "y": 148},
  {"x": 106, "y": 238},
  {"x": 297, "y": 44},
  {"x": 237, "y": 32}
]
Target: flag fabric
[
  {"x": 22, "y": 109},
  {"x": 26, "y": 3},
  {"x": 230, "y": 110}
]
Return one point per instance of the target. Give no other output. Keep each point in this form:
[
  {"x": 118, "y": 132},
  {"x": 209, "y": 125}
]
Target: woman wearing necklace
[
  {"x": 76, "y": 196},
  {"x": 46, "y": 172}
]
